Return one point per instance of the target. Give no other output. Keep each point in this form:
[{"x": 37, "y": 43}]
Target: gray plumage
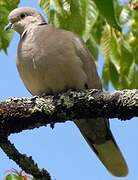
[{"x": 50, "y": 60}]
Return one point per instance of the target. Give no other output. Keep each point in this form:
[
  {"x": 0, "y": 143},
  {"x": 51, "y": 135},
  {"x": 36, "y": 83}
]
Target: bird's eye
[{"x": 23, "y": 15}]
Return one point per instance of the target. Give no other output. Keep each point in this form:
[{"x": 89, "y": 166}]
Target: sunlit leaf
[
  {"x": 115, "y": 52},
  {"x": 6, "y": 6},
  {"x": 106, "y": 41},
  {"x": 125, "y": 15},
  {"x": 13, "y": 177},
  {"x": 91, "y": 16}
]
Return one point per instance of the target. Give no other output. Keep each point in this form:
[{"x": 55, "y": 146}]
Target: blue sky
[{"x": 62, "y": 151}]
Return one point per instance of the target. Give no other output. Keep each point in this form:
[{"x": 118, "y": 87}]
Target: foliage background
[{"x": 63, "y": 151}]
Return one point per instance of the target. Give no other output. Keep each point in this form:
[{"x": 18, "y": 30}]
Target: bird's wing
[{"x": 97, "y": 133}]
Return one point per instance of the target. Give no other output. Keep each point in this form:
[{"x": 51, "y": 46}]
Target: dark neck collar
[{"x": 43, "y": 23}]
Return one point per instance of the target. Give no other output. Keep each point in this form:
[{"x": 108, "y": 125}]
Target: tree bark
[{"x": 17, "y": 114}]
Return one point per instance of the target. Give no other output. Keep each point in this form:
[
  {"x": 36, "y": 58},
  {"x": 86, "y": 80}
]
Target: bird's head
[{"x": 21, "y": 18}]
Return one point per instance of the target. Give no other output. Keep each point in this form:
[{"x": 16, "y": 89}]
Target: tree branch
[
  {"x": 17, "y": 114},
  {"x": 26, "y": 163}
]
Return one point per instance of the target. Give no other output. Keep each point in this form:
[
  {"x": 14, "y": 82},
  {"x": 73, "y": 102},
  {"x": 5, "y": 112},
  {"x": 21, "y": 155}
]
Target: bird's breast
[{"x": 49, "y": 69}]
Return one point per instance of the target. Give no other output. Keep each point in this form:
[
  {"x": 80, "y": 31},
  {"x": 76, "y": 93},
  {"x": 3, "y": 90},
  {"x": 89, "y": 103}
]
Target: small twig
[{"x": 25, "y": 163}]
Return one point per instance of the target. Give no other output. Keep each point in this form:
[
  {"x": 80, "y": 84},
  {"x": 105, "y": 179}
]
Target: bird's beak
[{"x": 8, "y": 26}]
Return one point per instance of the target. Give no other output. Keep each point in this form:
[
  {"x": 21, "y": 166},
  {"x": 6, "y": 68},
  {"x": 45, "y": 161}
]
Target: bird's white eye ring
[{"x": 23, "y": 15}]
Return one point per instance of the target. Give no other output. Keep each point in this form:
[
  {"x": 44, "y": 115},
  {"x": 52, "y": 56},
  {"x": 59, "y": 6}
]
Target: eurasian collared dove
[{"x": 50, "y": 60}]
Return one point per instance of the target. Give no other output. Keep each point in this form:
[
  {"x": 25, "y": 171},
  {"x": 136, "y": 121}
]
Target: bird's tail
[{"x": 108, "y": 152}]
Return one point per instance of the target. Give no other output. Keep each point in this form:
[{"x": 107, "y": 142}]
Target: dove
[{"x": 51, "y": 60}]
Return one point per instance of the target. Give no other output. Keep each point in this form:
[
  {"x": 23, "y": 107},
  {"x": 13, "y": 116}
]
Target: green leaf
[
  {"x": 108, "y": 11},
  {"x": 106, "y": 42},
  {"x": 78, "y": 16},
  {"x": 126, "y": 58},
  {"x": 6, "y": 6},
  {"x": 91, "y": 16},
  {"x": 115, "y": 51},
  {"x": 105, "y": 75},
  {"x": 13, "y": 177},
  {"x": 136, "y": 53},
  {"x": 92, "y": 46},
  {"x": 123, "y": 82},
  {"x": 133, "y": 76},
  {"x": 114, "y": 75},
  {"x": 97, "y": 30},
  {"x": 125, "y": 14},
  {"x": 10, "y": 4}
]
